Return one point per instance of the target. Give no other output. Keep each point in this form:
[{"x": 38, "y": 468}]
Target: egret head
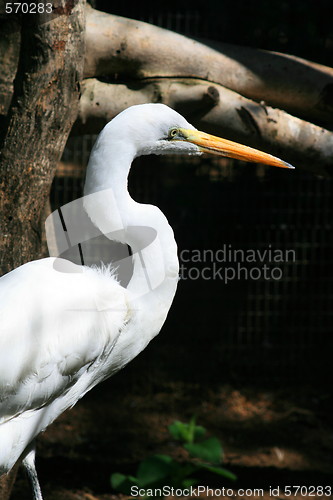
[
  {"x": 158, "y": 129},
  {"x": 147, "y": 127}
]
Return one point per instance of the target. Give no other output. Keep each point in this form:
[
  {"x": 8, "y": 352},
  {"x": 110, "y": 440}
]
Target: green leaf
[
  {"x": 198, "y": 432},
  {"x": 191, "y": 430},
  {"x": 186, "y": 432},
  {"x": 122, "y": 483},
  {"x": 185, "y": 469},
  {"x": 209, "y": 450},
  {"x": 179, "y": 431},
  {"x": 188, "y": 482},
  {"x": 154, "y": 470},
  {"x": 218, "y": 470}
]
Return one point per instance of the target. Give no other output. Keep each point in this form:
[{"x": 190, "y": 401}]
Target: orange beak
[{"x": 222, "y": 147}]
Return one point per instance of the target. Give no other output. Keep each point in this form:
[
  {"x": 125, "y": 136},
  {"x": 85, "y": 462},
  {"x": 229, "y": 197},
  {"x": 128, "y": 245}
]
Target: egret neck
[{"x": 143, "y": 227}]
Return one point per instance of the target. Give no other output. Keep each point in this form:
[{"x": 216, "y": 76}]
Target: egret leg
[{"x": 29, "y": 464}]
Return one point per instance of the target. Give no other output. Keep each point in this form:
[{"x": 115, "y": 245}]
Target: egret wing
[{"x": 54, "y": 326}]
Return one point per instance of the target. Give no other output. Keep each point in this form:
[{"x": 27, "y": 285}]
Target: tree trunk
[
  {"x": 43, "y": 109},
  {"x": 9, "y": 56}
]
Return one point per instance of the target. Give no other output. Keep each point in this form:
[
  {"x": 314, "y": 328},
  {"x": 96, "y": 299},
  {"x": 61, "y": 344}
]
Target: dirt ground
[{"x": 271, "y": 438}]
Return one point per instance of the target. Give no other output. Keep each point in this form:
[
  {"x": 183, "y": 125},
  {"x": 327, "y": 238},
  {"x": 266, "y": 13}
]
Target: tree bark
[
  {"x": 7, "y": 481},
  {"x": 125, "y": 49},
  {"x": 9, "y": 56},
  {"x": 43, "y": 109},
  {"x": 214, "y": 109}
]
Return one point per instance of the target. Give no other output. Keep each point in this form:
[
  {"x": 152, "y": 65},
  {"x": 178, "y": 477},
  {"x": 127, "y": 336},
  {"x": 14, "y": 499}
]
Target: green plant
[{"x": 158, "y": 471}]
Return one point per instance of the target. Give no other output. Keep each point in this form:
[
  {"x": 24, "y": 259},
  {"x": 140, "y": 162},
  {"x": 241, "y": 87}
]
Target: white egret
[{"x": 64, "y": 332}]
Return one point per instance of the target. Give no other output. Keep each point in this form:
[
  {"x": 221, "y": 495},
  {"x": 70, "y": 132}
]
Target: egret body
[{"x": 61, "y": 333}]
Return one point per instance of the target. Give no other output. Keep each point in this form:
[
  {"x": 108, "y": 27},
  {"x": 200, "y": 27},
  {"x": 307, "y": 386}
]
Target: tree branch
[
  {"x": 128, "y": 49},
  {"x": 43, "y": 109}
]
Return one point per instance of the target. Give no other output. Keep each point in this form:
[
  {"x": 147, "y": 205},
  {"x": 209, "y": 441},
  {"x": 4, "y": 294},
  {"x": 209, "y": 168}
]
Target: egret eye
[{"x": 173, "y": 132}]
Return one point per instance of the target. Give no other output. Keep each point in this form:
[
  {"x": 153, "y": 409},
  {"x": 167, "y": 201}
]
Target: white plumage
[
  {"x": 61, "y": 333},
  {"x": 50, "y": 347}
]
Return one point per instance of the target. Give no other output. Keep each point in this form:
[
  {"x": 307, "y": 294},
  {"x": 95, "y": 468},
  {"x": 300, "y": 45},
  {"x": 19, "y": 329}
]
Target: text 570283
[{"x": 28, "y": 8}]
